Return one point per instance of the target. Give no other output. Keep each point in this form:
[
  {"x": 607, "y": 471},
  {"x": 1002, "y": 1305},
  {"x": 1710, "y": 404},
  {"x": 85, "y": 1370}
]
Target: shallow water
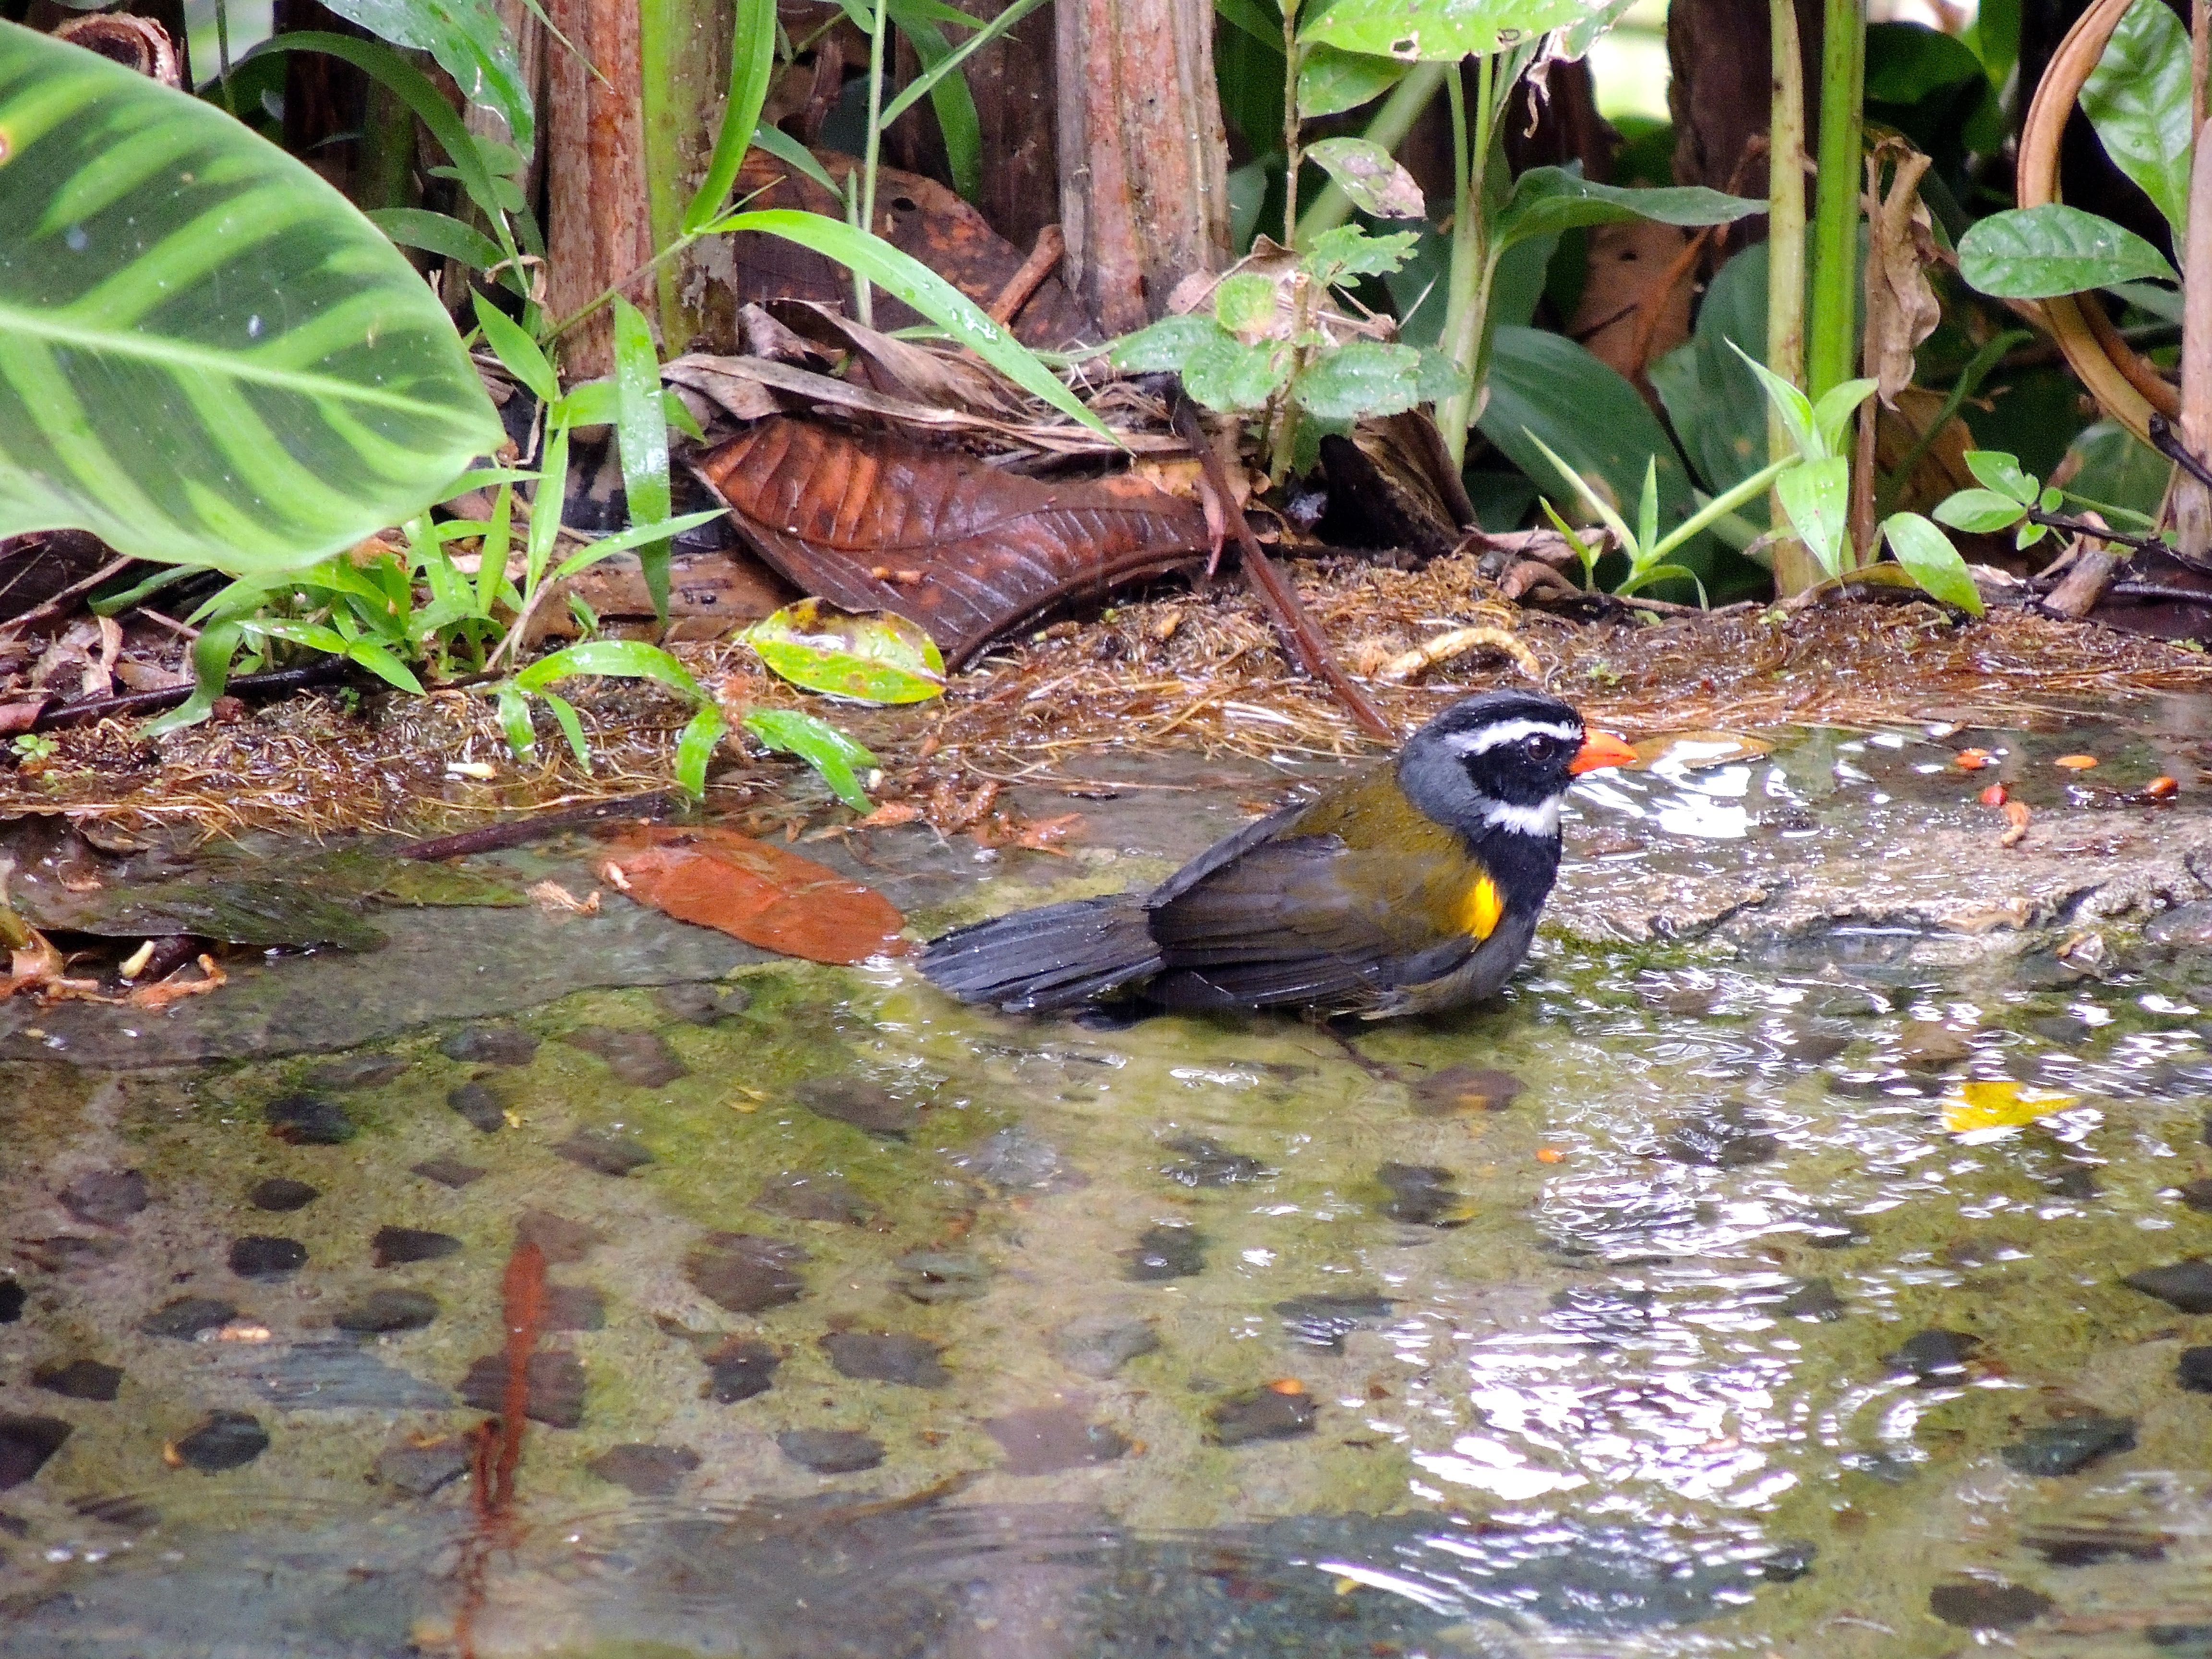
[{"x": 1654, "y": 1310}]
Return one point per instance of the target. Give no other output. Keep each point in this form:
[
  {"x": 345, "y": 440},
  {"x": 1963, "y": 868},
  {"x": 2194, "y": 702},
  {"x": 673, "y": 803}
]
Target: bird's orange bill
[{"x": 1602, "y": 749}]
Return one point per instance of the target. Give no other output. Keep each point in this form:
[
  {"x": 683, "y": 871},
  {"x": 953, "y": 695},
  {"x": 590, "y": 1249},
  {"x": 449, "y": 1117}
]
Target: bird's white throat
[{"x": 1542, "y": 819}]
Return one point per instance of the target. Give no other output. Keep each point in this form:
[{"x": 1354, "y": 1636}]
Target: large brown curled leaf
[
  {"x": 714, "y": 877},
  {"x": 965, "y": 549}
]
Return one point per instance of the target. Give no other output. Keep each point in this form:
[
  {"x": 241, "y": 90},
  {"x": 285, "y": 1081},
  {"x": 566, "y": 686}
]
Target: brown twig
[
  {"x": 1300, "y": 637},
  {"x": 322, "y": 671},
  {"x": 1051, "y": 248}
]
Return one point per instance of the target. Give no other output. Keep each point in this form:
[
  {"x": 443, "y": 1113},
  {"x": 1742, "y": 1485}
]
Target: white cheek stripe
[
  {"x": 1542, "y": 820},
  {"x": 1492, "y": 737}
]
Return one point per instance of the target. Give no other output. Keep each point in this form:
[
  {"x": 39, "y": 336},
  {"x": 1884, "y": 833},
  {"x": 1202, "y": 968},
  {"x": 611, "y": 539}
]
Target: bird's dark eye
[{"x": 1541, "y": 749}]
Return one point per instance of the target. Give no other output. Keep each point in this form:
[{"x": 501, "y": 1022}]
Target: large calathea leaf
[{"x": 206, "y": 355}]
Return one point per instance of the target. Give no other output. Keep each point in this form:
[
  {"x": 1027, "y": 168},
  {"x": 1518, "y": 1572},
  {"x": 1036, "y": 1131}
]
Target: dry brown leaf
[
  {"x": 890, "y": 815},
  {"x": 1902, "y": 310},
  {"x": 552, "y": 897},
  {"x": 716, "y": 878},
  {"x": 994, "y": 550}
]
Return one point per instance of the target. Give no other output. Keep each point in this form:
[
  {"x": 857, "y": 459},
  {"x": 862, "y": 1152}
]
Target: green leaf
[
  {"x": 2029, "y": 534},
  {"x": 616, "y": 659},
  {"x": 1713, "y": 400},
  {"x": 1255, "y": 24},
  {"x": 211, "y": 656},
  {"x": 437, "y": 232},
  {"x": 1647, "y": 509},
  {"x": 2137, "y": 98},
  {"x": 469, "y": 155},
  {"x": 1361, "y": 377},
  {"x": 1795, "y": 409},
  {"x": 821, "y": 745},
  {"x": 514, "y": 349},
  {"x": 641, "y": 438},
  {"x": 942, "y": 82},
  {"x": 752, "y": 68},
  {"x": 1817, "y": 497},
  {"x": 958, "y": 124},
  {"x": 206, "y": 355},
  {"x": 1979, "y": 512},
  {"x": 2118, "y": 470},
  {"x": 1331, "y": 81},
  {"x": 1602, "y": 430},
  {"x": 1370, "y": 176},
  {"x": 1597, "y": 500},
  {"x": 1162, "y": 347},
  {"x": 1548, "y": 200},
  {"x": 871, "y": 657},
  {"x": 2001, "y": 472},
  {"x": 545, "y": 527},
  {"x": 605, "y": 547},
  {"x": 695, "y": 748},
  {"x": 469, "y": 43},
  {"x": 1244, "y": 303},
  {"x": 792, "y": 154},
  {"x": 923, "y": 290},
  {"x": 514, "y": 721},
  {"x": 1223, "y": 374},
  {"x": 1927, "y": 554},
  {"x": 1438, "y": 31},
  {"x": 572, "y": 728},
  {"x": 2035, "y": 253},
  {"x": 1834, "y": 410},
  {"x": 1354, "y": 251}
]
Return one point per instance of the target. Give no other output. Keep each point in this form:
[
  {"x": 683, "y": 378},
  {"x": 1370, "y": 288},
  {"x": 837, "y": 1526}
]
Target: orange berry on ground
[
  {"x": 1971, "y": 760},
  {"x": 1549, "y": 1155},
  {"x": 1993, "y": 795},
  {"x": 2075, "y": 763}
]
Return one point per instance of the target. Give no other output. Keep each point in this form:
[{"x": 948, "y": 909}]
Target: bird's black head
[{"x": 1500, "y": 764}]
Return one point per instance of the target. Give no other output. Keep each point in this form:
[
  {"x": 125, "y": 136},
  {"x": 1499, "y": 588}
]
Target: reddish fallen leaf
[
  {"x": 2075, "y": 763},
  {"x": 2015, "y": 825},
  {"x": 176, "y": 989},
  {"x": 890, "y": 815},
  {"x": 1993, "y": 795},
  {"x": 1971, "y": 760},
  {"x": 1032, "y": 834},
  {"x": 716, "y": 878},
  {"x": 2160, "y": 788},
  {"x": 977, "y": 552}
]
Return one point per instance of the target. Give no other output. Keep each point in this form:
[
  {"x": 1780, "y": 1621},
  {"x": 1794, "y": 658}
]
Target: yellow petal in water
[{"x": 1999, "y": 1103}]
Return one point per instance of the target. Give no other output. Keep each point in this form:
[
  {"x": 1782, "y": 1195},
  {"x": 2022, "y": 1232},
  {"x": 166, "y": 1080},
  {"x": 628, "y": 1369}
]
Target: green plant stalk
[
  {"x": 1388, "y": 130},
  {"x": 1795, "y": 568},
  {"x": 1466, "y": 332},
  {"x": 1293, "y": 122},
  {"x": 1832, "y": 342},
  {"x": 222, "y": 56},
  {"x": 385, "y": 175},
  {"x": 863, "y": 300},
  {"x": 670, "y": 105}
]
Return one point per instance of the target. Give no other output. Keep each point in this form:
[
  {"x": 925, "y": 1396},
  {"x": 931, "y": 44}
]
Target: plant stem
[
  {"x": 1466, "y": 313},
  {"x": 1795, "y": 568},
  {"x": 1388, "y": 130},
  {"x": 2192, "y": 502},
  {"x": 863, "y": 295},
  {"x": 605, "y": 296},
  {"x": 222, "y": 55},
  {"x": 1833, "y": 336},
  {"x": 1293, "y": 152}
]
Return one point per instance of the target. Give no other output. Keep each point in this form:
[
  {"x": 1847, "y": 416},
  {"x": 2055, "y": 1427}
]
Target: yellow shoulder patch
[{"x": 1480, "y": 907}]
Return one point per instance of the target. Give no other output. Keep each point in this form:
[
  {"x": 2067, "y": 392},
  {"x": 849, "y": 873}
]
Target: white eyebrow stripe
[
  {"x": 1490, "y": 737},
  {"x": 1541, "y": 820}
]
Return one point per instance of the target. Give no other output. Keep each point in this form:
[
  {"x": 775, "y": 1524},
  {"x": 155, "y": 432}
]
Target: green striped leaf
[{"x": 206, "y": 355}]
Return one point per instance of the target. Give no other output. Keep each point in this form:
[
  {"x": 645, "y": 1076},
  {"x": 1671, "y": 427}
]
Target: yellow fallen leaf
[{"x": 1999, "y": 1103}]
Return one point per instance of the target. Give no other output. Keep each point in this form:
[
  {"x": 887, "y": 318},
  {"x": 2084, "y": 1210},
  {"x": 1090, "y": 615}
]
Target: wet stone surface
[
  {"x": 1629, "y": 1315},
  {"x": 281, "y": 1195},
  {"x": 605, "y": 1153},
  {"x": 79, "y": 1379},
  {"x": 831, "y": 1451},
  {"x": 267, "y": 1256},
  {"x": 1166, "y": 1252},
  {"x": 887, "y": 1357},
  {"x": 107, "y": 1198},
  {"x": 221, "y": 1441}
]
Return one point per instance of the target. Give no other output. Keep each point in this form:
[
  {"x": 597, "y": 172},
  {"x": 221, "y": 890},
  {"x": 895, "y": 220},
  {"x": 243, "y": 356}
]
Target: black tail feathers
[{"x": 1056, "y": 957}]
